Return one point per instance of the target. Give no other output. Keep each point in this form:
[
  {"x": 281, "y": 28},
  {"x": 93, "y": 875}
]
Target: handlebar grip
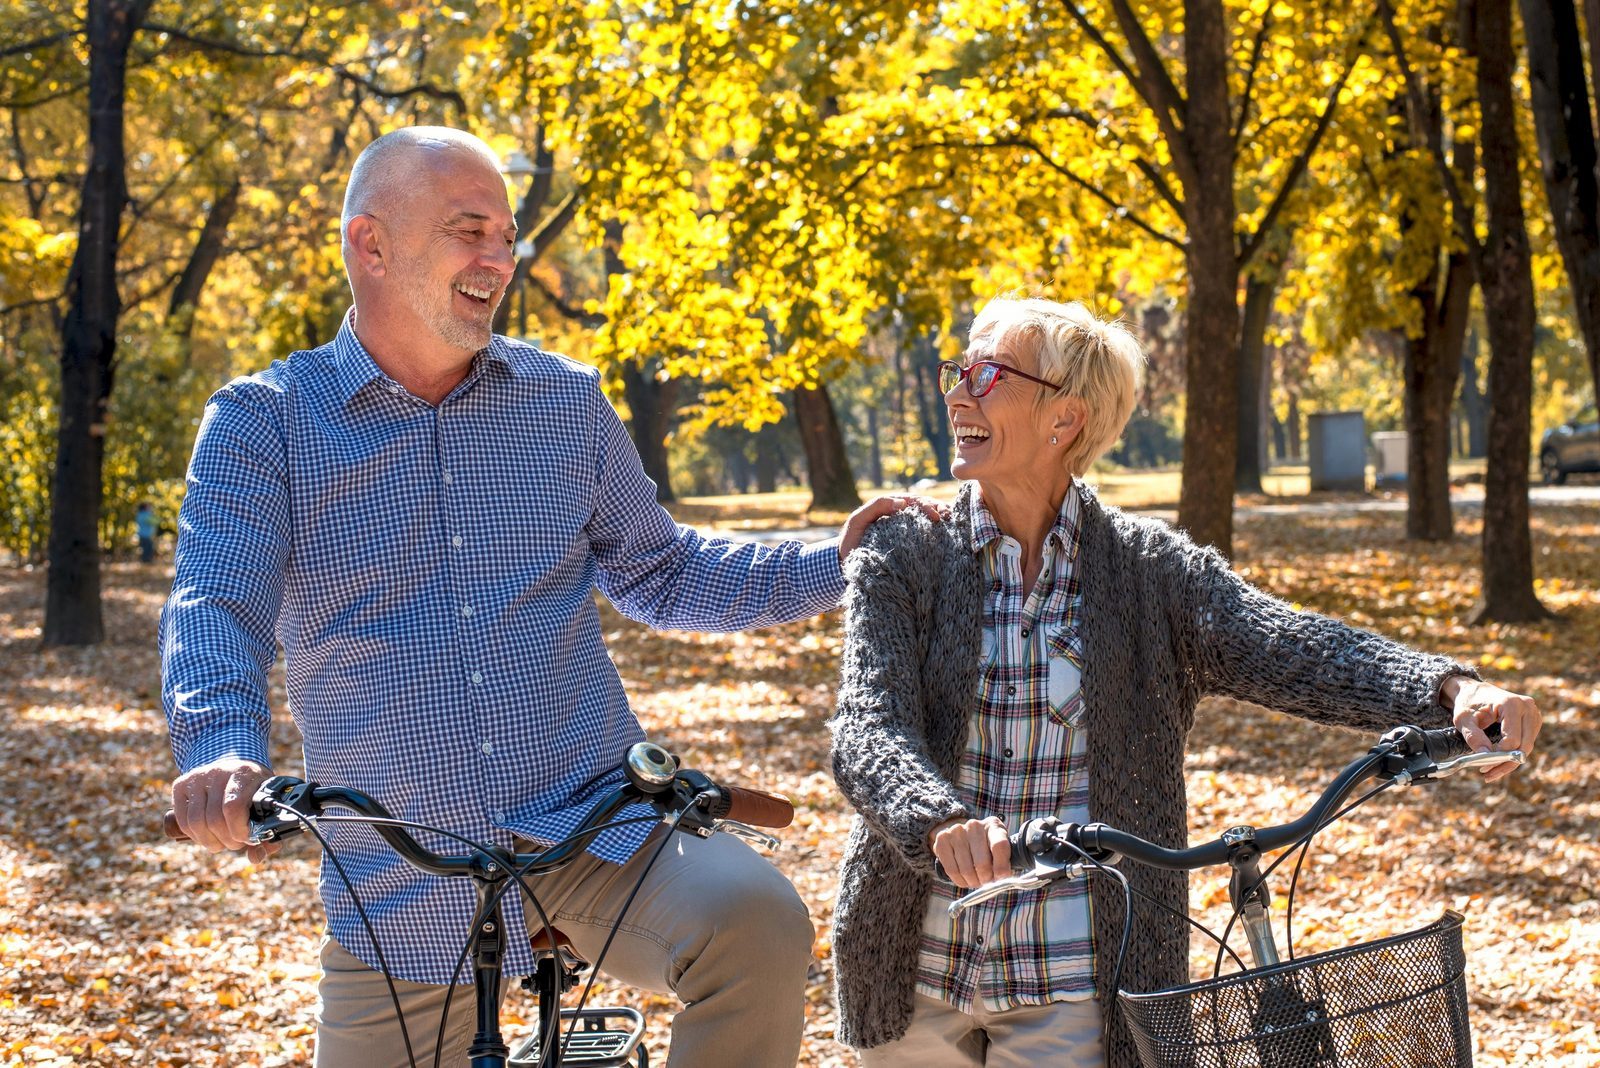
[
  {"x": 169, "y": 827},
  {"x": 755, "y": 807},
  {"x": 1446, "y": 743}
]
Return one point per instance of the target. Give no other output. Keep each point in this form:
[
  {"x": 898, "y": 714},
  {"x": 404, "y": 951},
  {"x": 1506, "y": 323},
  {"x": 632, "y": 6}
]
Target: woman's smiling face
[{"x": 1002, "y": 438}]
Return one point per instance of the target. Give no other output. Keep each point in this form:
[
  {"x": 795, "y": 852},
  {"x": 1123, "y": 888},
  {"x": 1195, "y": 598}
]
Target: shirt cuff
[
  {"x": 225, "y": 744},
  {"x": 822, "y": 571}
]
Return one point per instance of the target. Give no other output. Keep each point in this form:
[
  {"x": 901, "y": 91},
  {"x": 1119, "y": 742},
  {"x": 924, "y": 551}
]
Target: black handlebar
[
  {"x": 1405, "y": 751},
  {"x": 282, "y": 805}
]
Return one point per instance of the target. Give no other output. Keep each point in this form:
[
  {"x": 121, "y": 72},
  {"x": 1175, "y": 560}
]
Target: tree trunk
[
  {"x": 207, "y": 250},
  {"x": 534, "y": 240},
  {"x": 1211, "y": 399},
  {"x": 874, "y": 447},
  {"x": 931, "y": 412},
  {"x": 1560, "y": 92},
  {"x": 1505, "y": 272},
  {"x": 1261, "y": 286},
  {"x": 1295, "y": 451},
  {"x": 833, "y": 487},
  {"x": 767, "y": 459},
  {"x": 89, "y": 337},
  {"x": 1474, "y": 401},
  {"x": 651, "y": 402},
  {"x": 1432, "y": 362}
]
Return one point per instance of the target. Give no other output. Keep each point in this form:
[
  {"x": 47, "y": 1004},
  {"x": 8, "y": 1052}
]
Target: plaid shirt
[
  {"x": 430, "y": 572},
  {"x": 1025, "y": 757}
]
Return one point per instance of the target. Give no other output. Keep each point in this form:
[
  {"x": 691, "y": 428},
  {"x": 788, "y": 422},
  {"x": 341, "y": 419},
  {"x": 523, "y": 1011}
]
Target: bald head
[{"x": 389, "y": 167}]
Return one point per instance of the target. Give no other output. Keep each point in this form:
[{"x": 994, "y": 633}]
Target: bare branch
[
  {"x": 592, "y": 320},
  {"x": 1245, "y": 98},
  {"x": 70, "y": 89},
  {"x": 35, "y": 302},
  {"x": 339, "y": 70},
  {"x": 1429, "y": 123},
  {"x": 38, "y": 43},
  {"x": 1151, "y": 80},
  {"x": 1297, "y": 168},
  {"x": 1121, "y": 211},
  {"x": 1151, "y": 172}
]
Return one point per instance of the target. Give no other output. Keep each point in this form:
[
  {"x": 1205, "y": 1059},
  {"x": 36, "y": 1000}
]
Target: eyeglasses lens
[
  {"x": 980, "y": 377},
  {"x": 949, "y": 375}
]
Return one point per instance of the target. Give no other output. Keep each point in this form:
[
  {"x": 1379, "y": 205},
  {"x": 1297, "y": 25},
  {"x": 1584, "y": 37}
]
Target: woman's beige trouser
[{"x": 1063, "y": 1035}]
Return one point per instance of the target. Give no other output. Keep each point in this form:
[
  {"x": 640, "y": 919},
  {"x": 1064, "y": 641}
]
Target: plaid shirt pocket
[{"x": 1064, "y": 684}]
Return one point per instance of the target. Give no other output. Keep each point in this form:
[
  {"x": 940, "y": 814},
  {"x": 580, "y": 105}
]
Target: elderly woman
[{"x": 1041, "y": 653}]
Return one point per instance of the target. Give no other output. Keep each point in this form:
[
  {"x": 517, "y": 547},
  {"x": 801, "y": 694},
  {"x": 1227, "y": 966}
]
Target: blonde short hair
[{"x": 1093, "y": 359}]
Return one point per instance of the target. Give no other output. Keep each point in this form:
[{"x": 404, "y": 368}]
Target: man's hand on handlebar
[
  {"x": 212, "y": 805},
  {"x": 1477, "y": 705},
  {"x": 973, "y": 852}
]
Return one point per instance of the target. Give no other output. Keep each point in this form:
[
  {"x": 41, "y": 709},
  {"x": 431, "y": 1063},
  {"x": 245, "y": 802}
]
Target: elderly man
[{"x": 419, "y": 512}]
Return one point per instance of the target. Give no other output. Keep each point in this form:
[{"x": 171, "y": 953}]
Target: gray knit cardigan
[{"x": 1164, "y": 622}]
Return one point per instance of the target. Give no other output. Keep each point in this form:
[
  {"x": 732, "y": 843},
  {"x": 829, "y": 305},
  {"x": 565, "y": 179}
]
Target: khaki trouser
[
  {"x": 714, "y": 923},
  {"x": 1063, "y": 1035}
]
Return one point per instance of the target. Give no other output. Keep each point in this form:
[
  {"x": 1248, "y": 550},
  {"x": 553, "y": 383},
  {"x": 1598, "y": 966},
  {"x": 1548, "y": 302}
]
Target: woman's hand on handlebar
[
  {"x": 1478, "y": 704},
  {"x": 973, "y": 852},
  {"x": 212, "y": 805}
]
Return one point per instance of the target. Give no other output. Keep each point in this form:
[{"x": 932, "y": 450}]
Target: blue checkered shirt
[
  {"x": 429, "y": 572},
  {"x": 1026, "y": 756}
]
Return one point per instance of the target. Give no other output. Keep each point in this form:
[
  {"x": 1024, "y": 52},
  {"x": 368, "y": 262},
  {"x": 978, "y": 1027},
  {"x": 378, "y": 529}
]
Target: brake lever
[
  {"x": 1044, "y": 872},
  {"x": 1462, "y": 763},
  {"x": 748, "y": 833},
  {"x": 281, "y": 808}
]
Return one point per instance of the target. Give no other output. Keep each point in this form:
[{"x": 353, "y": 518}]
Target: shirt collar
[
  {"x": 354, "y": 366},
  {"x": 1065, "y": 531}
]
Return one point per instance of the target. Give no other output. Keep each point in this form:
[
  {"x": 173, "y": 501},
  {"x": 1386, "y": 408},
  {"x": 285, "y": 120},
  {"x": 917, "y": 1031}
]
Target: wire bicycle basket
[{"x": 1395, "y": 1002}]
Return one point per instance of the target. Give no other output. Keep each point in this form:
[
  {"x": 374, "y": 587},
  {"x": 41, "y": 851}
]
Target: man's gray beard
[{"x": 450, "y": 327}]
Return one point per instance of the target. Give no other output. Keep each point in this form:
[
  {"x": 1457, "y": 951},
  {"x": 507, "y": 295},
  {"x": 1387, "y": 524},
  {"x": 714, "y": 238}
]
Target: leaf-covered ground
[{"x": 118, "y": 948}]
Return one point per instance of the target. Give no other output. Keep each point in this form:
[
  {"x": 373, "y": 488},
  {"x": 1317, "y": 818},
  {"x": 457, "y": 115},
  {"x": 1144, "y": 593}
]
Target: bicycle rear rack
[{"x": 595, "y": 1043}]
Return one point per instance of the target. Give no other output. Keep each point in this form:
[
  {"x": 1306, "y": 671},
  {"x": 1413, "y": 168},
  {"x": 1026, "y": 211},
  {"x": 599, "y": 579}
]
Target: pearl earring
[{"x": 1052, "y": 439}]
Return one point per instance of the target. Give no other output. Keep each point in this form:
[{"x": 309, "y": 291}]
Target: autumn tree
[
  {"x": 88, "y": 335},
  {"x": 1381, "y": 254},
  {"x": 1501, "y": 259},
  {"x": 132, "y": 50},
  {"x": 1563, "y": 114}
]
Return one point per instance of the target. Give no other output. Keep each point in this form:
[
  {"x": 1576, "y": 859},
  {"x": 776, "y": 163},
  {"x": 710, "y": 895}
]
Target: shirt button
[
  {"x": 456, "y": 541},
  {"x": 448, "y": 478},
  {"x": 487, "y": 747},
  {"x": 466, "y": 610},
  {"x": 1008, "y": 752},
  {"x": 1011, "y": 690},
  {"x": 497, "y": 815},
  {"x": 1024, "y": 632},
  {"x": 476, "y": 677}
]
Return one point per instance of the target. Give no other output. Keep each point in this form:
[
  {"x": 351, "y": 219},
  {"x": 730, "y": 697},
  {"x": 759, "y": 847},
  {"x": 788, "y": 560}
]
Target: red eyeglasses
[{"x": 981, "y": 376}]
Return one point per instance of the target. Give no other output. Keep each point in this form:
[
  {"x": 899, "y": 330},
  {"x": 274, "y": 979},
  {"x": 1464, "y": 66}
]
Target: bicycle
[
  {"x": 1369, "y": 1004},
  {"x": 684, "y": 799}
]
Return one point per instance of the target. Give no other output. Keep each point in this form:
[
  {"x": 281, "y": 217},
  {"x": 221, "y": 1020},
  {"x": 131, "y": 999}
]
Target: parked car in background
[{"x": 1572, "y": 446}]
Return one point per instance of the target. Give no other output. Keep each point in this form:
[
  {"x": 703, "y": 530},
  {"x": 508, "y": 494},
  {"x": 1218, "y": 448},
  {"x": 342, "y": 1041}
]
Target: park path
[{"x": 1466, "y": 499}]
